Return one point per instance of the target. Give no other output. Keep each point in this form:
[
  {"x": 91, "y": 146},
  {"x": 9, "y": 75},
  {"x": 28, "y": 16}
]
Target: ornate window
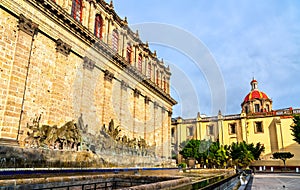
[
  {"x": 149, "y": 70},
  {"x": 98, "y": 26},
  {"x": 129, "y": 53},
  {"x": 256, "y": 107},
  {"x": 140, "y": 65},
  {"x": 258, "y": 127},
  {"x": 268, "y": 107},
  {"x": 164, "y": 83},
  {"x": 247, "y": 109},
  {"x": 157, "y": 77},
  {"x": 115, "y": 41},
  {"x": 210, "y": 130},
  {"x": 232, "y": 128},
  {"x": 190, "y": 131},
  {"x": 77, "y": 10}
]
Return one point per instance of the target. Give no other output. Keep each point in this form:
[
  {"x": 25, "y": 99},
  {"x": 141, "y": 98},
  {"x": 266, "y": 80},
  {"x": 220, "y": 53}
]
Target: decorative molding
[
  {"x": 147, "y": 99},
  {"x": 63, "y": 47},
  {"x": 108, "y": 75},
  {"x": 124, "y": 85},
  {"x": 88, "y": 64},
  {"x": 26, "y": 25},
  {"x": 137, "y": 93}
]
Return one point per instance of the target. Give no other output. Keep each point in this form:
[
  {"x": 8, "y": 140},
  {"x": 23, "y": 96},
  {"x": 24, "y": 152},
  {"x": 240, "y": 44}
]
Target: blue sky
[{"x": 245, "y": 38}]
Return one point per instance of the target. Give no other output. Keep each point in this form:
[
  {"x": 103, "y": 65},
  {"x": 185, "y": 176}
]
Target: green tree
[
  {"x": 218, "y": 155},
  {"x": 191, "y": 149},
  {"x": 283, "y": 156},
  {"x": 295, "y": 127},
  {"x": 256, "y": 150},
  {"x": 240, "y": 154},
  {"x": 203, "y": 151}
]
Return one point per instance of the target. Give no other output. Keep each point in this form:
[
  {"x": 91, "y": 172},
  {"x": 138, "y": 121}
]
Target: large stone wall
[{"x": 50, "y": 70}]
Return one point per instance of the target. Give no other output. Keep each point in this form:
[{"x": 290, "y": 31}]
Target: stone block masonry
[{"x": 53, "y": 66}]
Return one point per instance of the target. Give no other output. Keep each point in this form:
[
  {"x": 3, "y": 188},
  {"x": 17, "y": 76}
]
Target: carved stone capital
[
  {"x": 124, "y": 85},
  {"x": 147, "y": 99},
  {"x": 155, "y": 105},
  {"x": 137, "y": 93},
  {"x": 170, "y": 113},
  {"x": 26, "y": 25},
  {"x": 62, "y": 47},
  {"x": 88, "y": 64},
  {"x": 108, "y": 75}
]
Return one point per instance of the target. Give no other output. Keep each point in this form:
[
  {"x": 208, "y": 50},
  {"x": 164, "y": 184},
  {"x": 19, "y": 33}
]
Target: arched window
[
  {"x": 149, "y": 70},
  {"x": 164, "y": 84},
  {"x": 140, "y": 65},
  {"x": 115, "y": 40},
  {"x": 128, "y": 53},
  {"x": 98, "y": 26},
  {"x": 77, "y": 10},
  {"x": 157, "y": 77}
]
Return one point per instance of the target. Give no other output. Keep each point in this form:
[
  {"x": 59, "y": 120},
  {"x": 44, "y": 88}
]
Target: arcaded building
[
  {"x": 77, "y": 60},
  {"x": 257, "y": 122}
]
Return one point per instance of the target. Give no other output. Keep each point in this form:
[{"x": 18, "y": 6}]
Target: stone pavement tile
[{"x": 275, "y": 181}]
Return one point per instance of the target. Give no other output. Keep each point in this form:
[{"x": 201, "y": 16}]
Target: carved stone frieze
[
  {"x": 88, "y": 64},
  {"x": 26, "y": 25},
  {"x": 108, "y": 75},
  {"x": 62, "y": 47}
]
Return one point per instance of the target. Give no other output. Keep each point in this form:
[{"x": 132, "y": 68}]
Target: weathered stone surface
[{"x": 55, "y": 68}]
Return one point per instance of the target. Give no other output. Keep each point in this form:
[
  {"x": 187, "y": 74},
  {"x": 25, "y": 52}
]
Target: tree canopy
[
  {"x": 295, "y": 127},
  {"x": 213, "y": 154},
  {"x": 283, "y": 156}
]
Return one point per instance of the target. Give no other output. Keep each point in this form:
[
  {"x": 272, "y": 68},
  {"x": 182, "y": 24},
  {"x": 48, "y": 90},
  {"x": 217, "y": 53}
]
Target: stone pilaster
[
  {"x": 18, "y": 79},
  {"x": 107, "y": 95}
]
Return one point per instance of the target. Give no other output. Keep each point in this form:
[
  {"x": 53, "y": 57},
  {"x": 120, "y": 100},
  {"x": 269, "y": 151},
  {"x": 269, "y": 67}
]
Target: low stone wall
[
  {"x": 107, "y": 181},
  {"x": 291, "y": 162}
]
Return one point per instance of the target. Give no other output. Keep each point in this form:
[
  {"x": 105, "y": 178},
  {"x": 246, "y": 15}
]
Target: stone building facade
[
  {"x": 61, "y": 60},
  {"x": 257, "y": 122}
]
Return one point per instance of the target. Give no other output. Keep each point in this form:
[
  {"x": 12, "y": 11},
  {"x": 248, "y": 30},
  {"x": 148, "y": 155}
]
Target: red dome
[{"x": 255, "y": 94}]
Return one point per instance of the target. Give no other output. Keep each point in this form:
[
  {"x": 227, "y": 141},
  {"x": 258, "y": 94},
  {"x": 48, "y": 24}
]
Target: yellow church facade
[{"x": 257, "y": 122}]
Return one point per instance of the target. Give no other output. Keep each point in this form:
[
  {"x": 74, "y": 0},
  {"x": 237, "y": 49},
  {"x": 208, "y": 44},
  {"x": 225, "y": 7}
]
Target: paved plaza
[{"x": 262, "y": 181}]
